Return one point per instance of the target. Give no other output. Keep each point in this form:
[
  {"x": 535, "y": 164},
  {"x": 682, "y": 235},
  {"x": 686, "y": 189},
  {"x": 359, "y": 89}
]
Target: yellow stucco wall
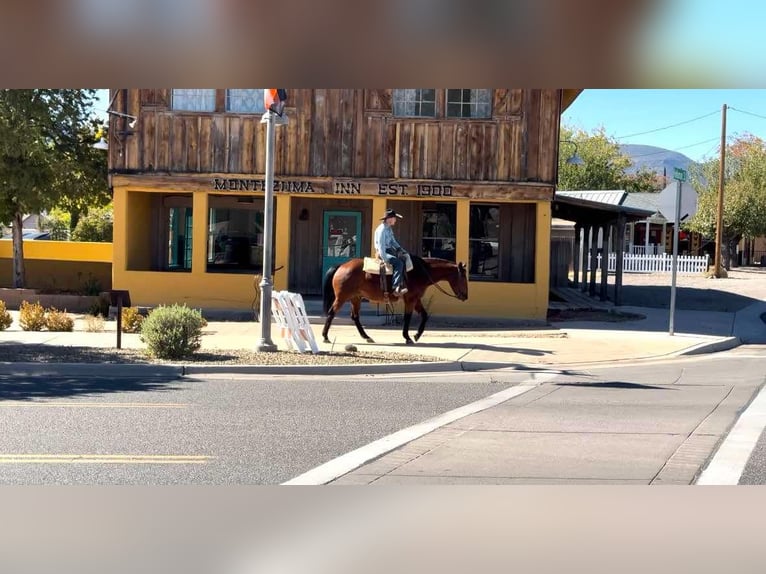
[{"x": 60, "y": 265}]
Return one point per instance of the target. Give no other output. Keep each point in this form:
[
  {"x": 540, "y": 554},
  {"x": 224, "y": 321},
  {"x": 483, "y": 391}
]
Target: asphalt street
[{"x": 216, "y": 430}]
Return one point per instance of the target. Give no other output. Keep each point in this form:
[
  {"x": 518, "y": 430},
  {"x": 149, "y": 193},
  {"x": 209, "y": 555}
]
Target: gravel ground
[{"x": 25, "y": 352}]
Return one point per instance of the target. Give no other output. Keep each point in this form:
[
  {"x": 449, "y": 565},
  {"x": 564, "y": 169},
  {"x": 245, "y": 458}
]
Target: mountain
[{"x": 655, "y": 159}]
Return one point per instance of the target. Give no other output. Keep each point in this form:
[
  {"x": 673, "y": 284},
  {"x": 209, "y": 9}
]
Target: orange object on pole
[{"x": 274, "y": 100}]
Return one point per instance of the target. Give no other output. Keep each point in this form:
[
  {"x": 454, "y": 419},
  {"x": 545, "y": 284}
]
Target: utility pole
[{"x": 719, "y": 215}]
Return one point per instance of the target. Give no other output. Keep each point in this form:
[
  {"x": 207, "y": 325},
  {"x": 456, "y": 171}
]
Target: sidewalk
[{"x": 561, "y": 344}]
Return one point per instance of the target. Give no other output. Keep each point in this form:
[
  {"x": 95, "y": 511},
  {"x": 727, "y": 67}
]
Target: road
[
  {"x": 216, "y": 430},
  {"x": 671, "y": 414}
]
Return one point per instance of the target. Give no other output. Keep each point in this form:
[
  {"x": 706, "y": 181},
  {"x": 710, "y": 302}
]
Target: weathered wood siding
[{"x": 342, "y": 133}]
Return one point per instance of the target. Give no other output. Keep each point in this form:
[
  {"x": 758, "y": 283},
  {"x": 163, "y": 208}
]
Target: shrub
[
  {"x": 5, "y": 317},
  {"x": 56, "y": 320},
  {"x": 96, "y": 225},
  {"x": 94, "y": 323},
  {"x": 31, "y": 316},
  {"x": 172, "y": 332},
  {"x": 131, "y": 320}
]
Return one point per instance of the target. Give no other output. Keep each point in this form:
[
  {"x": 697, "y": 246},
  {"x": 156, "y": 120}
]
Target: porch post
[
  {"x": 646, "y": 238},
  {"x": 577, "y": 254},
  {"x": 607, "y": 243},
  {"x": 593, "y": 262},
  {"x": 618, "y": 269},
  {"x": 587, "y": 243}
]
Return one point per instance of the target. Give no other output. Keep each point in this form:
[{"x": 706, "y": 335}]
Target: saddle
[{"x": 373, "y": 265}]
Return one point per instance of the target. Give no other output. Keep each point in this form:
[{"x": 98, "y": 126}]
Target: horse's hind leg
[
  {"x": 423, "y": 318},
  {"x": 356, "y": 305},
  {"x": 406, "y": 323},
  {"x": 330, "y": 316}
]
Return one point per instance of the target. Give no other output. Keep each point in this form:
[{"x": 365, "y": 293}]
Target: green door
[{"x": 341, "y": 238}]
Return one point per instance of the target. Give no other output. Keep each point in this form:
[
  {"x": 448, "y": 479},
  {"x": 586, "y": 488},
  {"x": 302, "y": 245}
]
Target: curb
[
  {"x": 723, "y": 344},
  {"x": 91, "y": 369},
  {"x": 358, "y": 369}
]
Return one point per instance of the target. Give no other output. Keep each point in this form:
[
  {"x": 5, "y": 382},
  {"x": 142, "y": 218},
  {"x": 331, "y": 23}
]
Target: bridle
[{"x": 435, "y": 284}]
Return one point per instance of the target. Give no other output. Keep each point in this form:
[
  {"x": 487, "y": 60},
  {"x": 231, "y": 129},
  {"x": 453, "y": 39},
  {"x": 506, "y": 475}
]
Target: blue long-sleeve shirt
[{"x": 385, "y": 240}]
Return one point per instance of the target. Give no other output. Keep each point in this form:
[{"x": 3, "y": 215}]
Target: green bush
[
  {"x": 172, "y": 332},
  {"x": 31, "y": 316},
  {"x": 96, "y": 225},
  {"x": 56, "y": 320},
  {"x": 5, "y": 317},
  {"x": 131, "y": 320}
]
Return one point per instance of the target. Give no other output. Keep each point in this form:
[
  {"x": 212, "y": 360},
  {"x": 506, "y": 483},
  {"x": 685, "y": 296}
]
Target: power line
[
  {"x": 668, "y": 127},
  {"x": 678, "y": 148},
  {"x": 748, "y": 113}
]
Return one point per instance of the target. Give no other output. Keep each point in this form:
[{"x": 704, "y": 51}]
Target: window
[
  {"x": 439, "y": 230},
  {"x": 469, "y": 103},
  {"x": 180, "y": 238},
  {"x": 246, "y": 101},
  {"x": 194, "y": 100},
  {"x": 235, "y": 234},
  {"x": 502, "y": 242},
  {"x": 415, "y": 103}
]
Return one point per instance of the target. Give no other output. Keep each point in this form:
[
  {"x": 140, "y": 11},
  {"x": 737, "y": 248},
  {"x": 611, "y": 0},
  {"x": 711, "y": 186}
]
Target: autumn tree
[
  {"x": 744, "y": 205},
  {"x": 46, "y": 155},
  {"x": 603, "y": 165}
]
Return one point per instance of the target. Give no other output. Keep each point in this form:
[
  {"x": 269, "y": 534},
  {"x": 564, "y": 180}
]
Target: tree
[
  {"x": 744, "y": 206},
  {"x": 45, "y": 155},
  {"x": 604, "y": 165},
  {"x": 96, "y": 225}
]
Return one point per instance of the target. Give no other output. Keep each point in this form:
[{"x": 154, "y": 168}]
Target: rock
[{"x": 350, "y": 348}]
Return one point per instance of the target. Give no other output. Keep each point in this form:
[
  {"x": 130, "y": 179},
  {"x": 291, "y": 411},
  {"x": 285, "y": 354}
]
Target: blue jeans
[{"x": 398, "y": 266}]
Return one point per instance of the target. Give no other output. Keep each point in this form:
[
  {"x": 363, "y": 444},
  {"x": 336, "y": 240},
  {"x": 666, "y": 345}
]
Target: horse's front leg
[
  {"x": 337, "y": 304},
  {"x": 356, "y": 305},
  {"x": 406, "y": 322},
  {"x": 423, "y": 318}
]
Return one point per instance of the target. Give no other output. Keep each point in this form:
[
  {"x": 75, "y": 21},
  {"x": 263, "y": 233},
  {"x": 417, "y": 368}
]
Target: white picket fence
[{"x": 661, "y": 263}]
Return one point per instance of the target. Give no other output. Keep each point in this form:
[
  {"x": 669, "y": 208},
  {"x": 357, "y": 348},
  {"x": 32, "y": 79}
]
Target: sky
[{"x": 623, "y": 113}]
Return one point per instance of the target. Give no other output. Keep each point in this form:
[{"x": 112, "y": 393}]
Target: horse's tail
[{"x": 328, "y": 293}]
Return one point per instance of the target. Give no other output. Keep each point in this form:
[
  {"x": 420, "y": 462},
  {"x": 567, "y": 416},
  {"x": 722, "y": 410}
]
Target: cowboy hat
[{"x": 390, "y": 213}]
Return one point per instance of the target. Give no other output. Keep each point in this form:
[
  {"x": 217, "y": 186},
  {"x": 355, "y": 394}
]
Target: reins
[{"x": 435, "y": 284}]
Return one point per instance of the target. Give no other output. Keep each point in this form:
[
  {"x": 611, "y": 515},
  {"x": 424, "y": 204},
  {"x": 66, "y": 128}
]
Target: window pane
[
  {"x": 469, "y": 103},
  {"x": 415, "y": 103},
  {"x": 247, "y": 101},
  {"x": 235, "y": 235},
  {"x": 194, "y": 100},
  {"x": 484, "y": 235},
  {"x": 439, "y": 222}
]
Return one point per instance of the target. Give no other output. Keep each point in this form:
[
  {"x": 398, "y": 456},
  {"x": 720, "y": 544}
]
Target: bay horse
[{"x": 349, "y": 282}]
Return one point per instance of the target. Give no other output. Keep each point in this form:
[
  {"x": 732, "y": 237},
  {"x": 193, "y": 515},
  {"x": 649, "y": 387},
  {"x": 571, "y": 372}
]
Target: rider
[{"x": 389, "y": 250}]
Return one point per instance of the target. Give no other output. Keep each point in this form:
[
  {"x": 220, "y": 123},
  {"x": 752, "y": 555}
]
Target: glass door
[{"x": 340, "y": 238}]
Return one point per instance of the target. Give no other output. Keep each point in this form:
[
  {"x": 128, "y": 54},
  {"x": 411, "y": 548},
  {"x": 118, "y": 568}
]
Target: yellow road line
[
  {"x": 15, "y": 404},
  {"x": 102, "y": 459}
]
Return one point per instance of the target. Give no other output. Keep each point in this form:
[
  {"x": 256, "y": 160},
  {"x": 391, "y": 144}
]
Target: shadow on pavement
[
  {"x": 485, "y": 347},
  {"x": 30, "y": 387},
  {"x": 614, "y": 385},
  {"x": 687, "y": 298}
]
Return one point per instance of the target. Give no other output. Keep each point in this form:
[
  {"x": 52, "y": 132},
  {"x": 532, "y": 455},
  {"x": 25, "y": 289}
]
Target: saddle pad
[{"x": 372, "y": 265}]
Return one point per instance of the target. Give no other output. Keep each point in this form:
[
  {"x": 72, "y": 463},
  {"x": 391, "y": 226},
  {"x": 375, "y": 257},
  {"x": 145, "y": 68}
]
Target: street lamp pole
[
  {"x": 266, "y": 344},
  {"x": 719, "y": 211}
]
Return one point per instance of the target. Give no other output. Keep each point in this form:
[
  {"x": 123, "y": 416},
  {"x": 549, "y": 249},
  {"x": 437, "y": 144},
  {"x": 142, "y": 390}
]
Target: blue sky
[{"x": 626, "y": 112}]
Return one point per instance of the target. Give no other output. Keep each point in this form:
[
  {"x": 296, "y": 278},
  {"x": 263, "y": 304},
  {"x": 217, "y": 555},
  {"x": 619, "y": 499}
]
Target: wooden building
[{"x": 472, "y": 171}]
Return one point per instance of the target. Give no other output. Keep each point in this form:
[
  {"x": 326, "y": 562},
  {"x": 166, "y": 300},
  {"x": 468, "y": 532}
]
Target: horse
[{"x": 349, "y": 282}]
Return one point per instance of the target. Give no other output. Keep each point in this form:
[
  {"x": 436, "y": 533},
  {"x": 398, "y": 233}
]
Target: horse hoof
[
  {"x": 410, "y": 342},
  {"x": 326, "y": 340},
  {"x": 417, "y": 337},
  {"x": 369, "y": 340}
]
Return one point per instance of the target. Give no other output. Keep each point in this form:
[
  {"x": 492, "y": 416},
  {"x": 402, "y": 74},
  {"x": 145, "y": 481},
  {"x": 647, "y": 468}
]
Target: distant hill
[{"x": 655, "y": 159}]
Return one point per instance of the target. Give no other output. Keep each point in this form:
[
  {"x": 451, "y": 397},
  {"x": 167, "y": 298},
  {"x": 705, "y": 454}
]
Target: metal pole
[
  {"x": 266, "y": 344},
  {"x": 719, "y": 216},
  {"x": 675, "y": 256}
]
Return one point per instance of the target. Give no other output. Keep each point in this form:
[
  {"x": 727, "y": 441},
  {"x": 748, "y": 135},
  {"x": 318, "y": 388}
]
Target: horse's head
[{"x": 459, "y": 282}]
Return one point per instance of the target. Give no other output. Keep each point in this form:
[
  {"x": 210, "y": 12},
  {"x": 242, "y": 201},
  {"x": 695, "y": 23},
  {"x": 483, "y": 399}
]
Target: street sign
[
  {"x": 679, "y": 174},
  {"x": 666, "y": 202}
]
